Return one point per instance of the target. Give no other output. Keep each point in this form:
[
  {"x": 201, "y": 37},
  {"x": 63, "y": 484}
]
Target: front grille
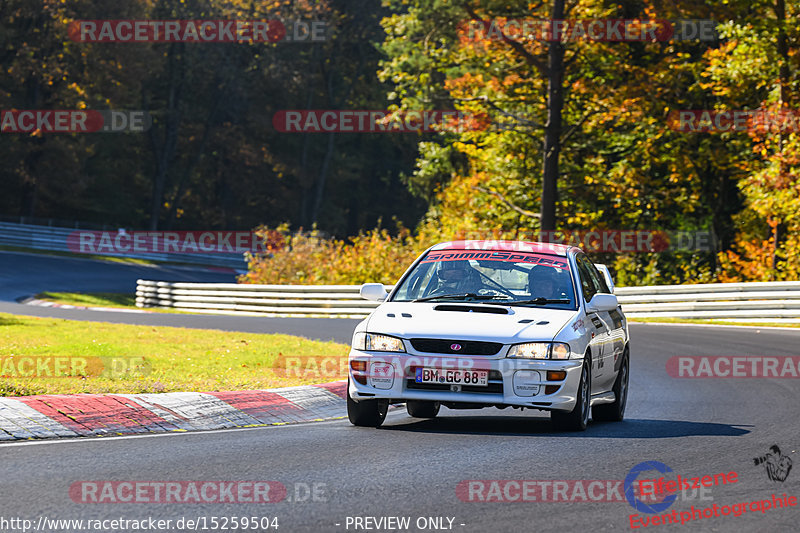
[
  {"x": 495, "y": 385},
  {"x": 445, "y": 346}
]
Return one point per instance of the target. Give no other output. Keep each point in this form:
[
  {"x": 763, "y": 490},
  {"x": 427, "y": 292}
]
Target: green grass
[
  {"x": 98, "y": 257},
  {"x": 713, "y": 321},
  {"x": 103, "y": 299},
  {"x": 90, "y": 299},
  {"x": 59, "y": 253},
  {"x": 159, "y": 359}
]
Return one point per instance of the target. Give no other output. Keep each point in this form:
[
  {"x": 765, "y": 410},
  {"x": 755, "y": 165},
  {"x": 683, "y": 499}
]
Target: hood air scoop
[{"x": 472, "y": 309}]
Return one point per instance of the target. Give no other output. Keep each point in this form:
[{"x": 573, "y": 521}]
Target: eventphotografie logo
[
  {"x": 197, "y": 31},
  {"x": 665, "y": 490},
  {"x": 775, "y": 463},
  {"x": 74, "y": 121},
  {"x": 634, "y": 500}
]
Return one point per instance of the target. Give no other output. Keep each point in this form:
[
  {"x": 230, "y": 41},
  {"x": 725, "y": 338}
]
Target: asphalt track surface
[{"x": 411, "y": 467}]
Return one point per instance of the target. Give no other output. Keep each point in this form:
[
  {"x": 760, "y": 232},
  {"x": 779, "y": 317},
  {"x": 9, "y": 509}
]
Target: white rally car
[{"x": 475, "y": 324}]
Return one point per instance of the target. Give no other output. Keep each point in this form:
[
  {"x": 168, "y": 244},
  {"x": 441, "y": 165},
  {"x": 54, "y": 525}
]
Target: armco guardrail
[
  {"x": 747, "y": 301},
  {"x": 52, "y": 238},
  {"x": 275, "y": 300},
  {"x": 759, "y": 300}
]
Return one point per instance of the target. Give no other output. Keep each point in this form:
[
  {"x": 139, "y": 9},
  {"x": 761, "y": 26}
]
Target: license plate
[{"x": 449, "y": 376}]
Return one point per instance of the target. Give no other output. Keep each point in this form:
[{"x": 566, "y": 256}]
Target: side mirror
[
  {"x": 602, "y": 302},
  {"x": 607, "y": 275},
  {"x": 373, "y": 291}
]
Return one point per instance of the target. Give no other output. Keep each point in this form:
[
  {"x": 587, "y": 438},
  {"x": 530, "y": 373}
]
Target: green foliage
[{"x": 213, "y": 160}]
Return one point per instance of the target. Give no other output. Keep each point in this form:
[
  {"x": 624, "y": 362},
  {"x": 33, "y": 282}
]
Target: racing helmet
[
  {"x": 455, "y": 275},
  {"x": 547, "y": 282}
]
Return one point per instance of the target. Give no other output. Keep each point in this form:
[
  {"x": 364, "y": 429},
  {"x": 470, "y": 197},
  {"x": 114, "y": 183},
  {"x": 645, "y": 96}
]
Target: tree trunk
[
  {"x": 784, "y": 80},
  {"x": 323, "y": 176},
  {"x": 164, "y": 148},
  {"x": 552, "y": 131}
]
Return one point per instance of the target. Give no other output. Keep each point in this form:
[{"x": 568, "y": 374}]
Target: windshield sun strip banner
[{"x": 487, "y": 255}]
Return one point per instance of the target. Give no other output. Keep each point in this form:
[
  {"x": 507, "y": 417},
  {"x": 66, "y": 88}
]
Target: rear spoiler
[{"x": 607, "y": 275}]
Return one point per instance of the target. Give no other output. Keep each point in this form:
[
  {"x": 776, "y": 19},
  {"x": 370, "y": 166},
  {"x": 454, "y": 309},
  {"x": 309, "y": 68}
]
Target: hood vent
[{"x": 472, "y": 309}]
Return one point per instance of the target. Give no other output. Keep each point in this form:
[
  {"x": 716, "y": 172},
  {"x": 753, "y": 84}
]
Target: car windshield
[{"x": 490, "y": 277}]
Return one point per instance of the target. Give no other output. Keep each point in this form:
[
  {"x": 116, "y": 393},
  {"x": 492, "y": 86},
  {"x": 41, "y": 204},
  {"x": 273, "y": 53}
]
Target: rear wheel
[
  {"x": 578, "y": 418},
  {"x": 615, "y": 412},
  {"x": 422, "y": 408},
  {"x": 366, "y": 413}
]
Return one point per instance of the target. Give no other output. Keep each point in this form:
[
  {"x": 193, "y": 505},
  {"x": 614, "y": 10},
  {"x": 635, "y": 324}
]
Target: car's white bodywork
[{"x": 594, "y": 327}]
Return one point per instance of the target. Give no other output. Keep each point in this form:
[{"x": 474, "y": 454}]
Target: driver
[
  {"x": 546, "y": 282},
  {"x": 457, "y": 277}
]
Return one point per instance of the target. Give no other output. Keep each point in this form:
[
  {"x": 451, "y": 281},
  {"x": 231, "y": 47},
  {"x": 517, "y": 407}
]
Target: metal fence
[
  {"x": 774, "y": 301},
  {"x": 54, "y": 238}
]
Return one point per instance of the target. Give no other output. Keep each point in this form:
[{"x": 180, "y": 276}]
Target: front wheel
[
  {"x": 367, "y": 413},
  {"x": 578, "y": 418},
  {"x": 422, "y": 409},
  {"x": 615, "y": 412}
]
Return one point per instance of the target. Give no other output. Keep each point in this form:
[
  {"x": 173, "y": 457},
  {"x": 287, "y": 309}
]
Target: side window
[
  {"x": 591, "y": 280},
  {"x": 601, "y": 279},
  {"x": 587, "y": 286}
]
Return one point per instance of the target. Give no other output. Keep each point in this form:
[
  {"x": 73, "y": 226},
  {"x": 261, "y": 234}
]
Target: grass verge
[
  {"x": 90, "y": 299},
  {"x": 714, "y": 322},
  {"x": 59, "y": 253},
  {"x": 103, "y": 299},
  {"x": 98, "y": 357}
]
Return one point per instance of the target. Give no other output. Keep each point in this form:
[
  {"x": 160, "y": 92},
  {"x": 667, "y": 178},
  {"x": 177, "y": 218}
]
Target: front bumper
[{"x": 512, "y": 382}]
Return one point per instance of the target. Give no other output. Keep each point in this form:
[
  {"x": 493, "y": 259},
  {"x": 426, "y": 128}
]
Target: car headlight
[
  {"x": 540, "y": 350},
  {"x": 377, "y": 343}
]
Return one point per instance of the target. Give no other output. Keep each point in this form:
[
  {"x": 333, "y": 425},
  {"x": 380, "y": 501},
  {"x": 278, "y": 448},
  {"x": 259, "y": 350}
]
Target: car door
[
  {"x": 596, "y": 326},
  {"x": 615, "y": 324},
  {"x": 617, "y": 332}
]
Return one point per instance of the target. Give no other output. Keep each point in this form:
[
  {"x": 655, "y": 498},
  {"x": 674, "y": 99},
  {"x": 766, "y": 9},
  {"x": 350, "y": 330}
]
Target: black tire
[
  {"x": 578, "y": 418},
  {"x": 367, "y": 413},
  {"x": 422, "y": 408},
  {"x": 615, "y": 412}
]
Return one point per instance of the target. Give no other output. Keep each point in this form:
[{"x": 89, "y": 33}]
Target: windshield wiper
[
  {"x": 536, "y": 301},
  {"x": 460, "y": 296}
]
